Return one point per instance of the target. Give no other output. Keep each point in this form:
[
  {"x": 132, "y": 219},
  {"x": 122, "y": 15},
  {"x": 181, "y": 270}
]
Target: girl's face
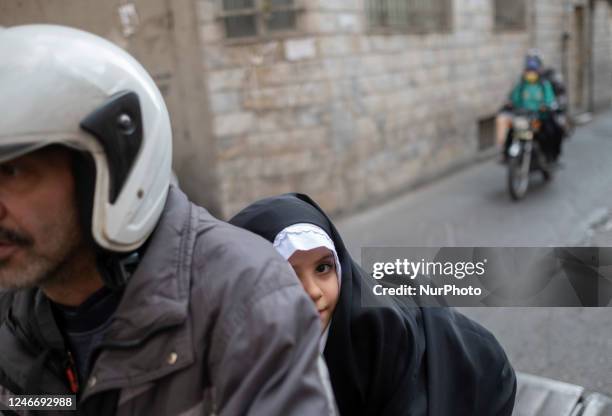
[{"x": 316, "y": 270}]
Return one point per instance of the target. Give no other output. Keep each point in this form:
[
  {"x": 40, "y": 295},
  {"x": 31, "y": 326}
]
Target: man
[
  {"x": 122, "y": 292},
  {"x": 532, "y": 93}
]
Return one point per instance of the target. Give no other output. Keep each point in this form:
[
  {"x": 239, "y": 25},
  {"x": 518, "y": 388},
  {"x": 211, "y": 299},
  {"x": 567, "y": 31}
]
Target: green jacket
[{"x": 532, "y": 96}]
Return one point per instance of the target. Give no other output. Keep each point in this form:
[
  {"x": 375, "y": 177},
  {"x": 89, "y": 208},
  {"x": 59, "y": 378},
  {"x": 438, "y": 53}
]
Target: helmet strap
[{"x": 116, "y": 269}]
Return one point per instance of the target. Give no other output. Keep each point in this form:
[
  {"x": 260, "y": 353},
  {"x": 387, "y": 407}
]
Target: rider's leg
[
  {"x": 507, "y": 143},
  {"x": 549, "y": 139},
  {"x": 503, "y": 122}
]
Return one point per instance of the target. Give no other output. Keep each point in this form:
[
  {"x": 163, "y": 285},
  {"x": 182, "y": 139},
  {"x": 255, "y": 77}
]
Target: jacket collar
[
  {"x": 147, "y": 338},
  {"x": 157, "y": 294}
]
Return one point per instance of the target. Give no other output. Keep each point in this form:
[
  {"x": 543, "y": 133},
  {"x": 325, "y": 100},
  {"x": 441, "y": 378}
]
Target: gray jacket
[{"x": 212, "y": 321}]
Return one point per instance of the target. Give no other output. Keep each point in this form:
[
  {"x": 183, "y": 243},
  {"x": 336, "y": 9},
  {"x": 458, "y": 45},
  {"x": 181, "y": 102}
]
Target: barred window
[
  {"x": 250, "y": 18},
  {"x": 418, "y": 16},
  {"x": 510, "y": 15}
]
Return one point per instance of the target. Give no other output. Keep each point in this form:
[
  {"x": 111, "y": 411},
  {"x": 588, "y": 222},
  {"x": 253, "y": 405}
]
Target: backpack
[{"x": 550, "y": 75}]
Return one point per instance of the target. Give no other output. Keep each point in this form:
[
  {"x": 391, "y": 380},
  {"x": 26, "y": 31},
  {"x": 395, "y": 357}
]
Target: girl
[{"x": 388, "y": 360}]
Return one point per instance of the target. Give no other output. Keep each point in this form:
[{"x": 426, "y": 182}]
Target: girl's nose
[{"x": 312, "y": 289}]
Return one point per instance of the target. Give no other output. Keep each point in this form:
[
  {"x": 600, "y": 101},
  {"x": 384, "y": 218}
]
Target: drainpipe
[
  {"x": 592, "y": 56},
  {"x": 565, "y": 41},
  {"x": 533, "y": 23}
]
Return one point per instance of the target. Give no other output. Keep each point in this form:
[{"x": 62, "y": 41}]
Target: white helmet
[{"x": 64, "y": 86}]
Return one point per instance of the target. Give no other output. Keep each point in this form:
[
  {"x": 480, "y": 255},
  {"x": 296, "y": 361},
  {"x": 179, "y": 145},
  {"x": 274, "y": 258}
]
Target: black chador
[{"x": 394, "y": 360}]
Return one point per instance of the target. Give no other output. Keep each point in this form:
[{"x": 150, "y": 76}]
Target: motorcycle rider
[
  {"x": 122, "y": 292},
  {"x": 532, "y": 93}
]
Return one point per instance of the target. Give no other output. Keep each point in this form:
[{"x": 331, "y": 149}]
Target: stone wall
[
  {"x": 550, "y": 22},
  {"x": 346, "y": 114},
  {"x": 602, "y": 57}
]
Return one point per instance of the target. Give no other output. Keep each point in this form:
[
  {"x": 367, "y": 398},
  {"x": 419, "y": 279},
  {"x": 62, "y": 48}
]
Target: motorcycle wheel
[{"x": 518, "y": 178}]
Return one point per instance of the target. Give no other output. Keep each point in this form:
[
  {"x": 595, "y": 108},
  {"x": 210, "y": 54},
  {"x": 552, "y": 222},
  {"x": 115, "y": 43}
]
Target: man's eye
[{"x": 8, "y": 170}]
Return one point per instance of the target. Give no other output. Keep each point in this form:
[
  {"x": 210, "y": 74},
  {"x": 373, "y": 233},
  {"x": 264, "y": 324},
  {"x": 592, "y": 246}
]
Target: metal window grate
[
  {"x": 229, "y": 5},
  {"x": 251, "y": 18},
  {"x": 510, "y": 15},
  {"x": 419, "y": 16}
]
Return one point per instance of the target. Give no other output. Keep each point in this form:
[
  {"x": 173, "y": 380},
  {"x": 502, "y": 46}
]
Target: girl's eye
[{"x": 324, "y": 268}]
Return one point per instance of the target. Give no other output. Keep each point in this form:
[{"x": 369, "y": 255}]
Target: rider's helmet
[
  {"x": 62, "y": 86},
  {"x": 533, "y": 61}
]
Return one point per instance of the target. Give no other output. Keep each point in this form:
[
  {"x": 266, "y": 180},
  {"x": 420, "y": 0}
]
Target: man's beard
[{"x": 44, "y": 261}]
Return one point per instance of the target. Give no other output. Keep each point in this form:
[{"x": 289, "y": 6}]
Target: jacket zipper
[{"x": 71, "y": 374}]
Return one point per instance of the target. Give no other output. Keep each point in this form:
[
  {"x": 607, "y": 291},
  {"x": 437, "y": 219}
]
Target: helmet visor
[
  {"x": 532, "y": 64},
  {"x": 20, "y": 146},
  {"x": 13, "y": 151}
]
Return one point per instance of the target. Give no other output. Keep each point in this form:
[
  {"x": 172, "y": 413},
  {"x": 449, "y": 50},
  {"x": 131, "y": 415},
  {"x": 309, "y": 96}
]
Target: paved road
[{"x": 472, "y": 208}]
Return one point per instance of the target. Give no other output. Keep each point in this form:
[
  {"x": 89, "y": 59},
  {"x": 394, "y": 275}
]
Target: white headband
[{"x": 304, "y": 237}]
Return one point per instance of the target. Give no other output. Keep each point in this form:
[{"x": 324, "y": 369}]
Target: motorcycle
[{"x": 525, "y": 154}]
